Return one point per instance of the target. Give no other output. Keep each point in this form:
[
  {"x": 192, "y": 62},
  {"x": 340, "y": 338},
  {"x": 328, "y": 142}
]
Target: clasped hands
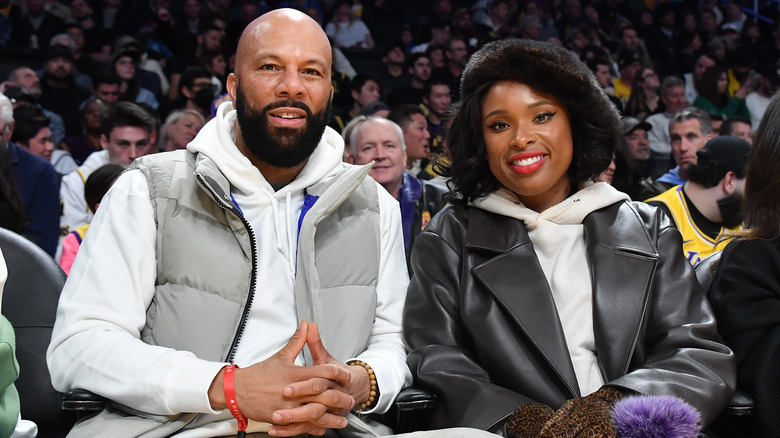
[
  {"x": 297, "y": 399},
  {"x": 583, "y": 417}
]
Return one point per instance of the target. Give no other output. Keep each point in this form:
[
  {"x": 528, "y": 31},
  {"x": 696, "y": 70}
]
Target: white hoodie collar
[
  {"x": 571, "y": 210},
  {"x": 217, "y": 141}
]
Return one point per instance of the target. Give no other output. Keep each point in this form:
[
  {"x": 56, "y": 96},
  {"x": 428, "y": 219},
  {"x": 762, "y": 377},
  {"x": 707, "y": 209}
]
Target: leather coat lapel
[
  {"x": 516, "y": 280},
  {"x": 623, "y": 264}
]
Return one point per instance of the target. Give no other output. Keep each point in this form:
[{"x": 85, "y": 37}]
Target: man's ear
[
  {"x": 729, "y": 182},
  {"x": 232, "y": 86},
  {"x": 185, "y": 90},
  {"x": 103, "y": 141},
  {"x": 355, "y": 95}
]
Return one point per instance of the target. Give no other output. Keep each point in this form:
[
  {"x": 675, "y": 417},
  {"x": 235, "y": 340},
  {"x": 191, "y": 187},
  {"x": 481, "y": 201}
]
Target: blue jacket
[
  {"x": 38, "y": 186},
  {"x": 419, "y": 201}
]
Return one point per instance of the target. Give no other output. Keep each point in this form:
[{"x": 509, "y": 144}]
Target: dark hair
[
  {"x": 728, "y": 126},
  {"x": 357, "y": 83},
  {"x": 637, "y": 103},
  {"x": 99, "y": 182},
  {"x": 761, "y": 203},
  {"x": 709, "y": 87},
  {"x": 402, "y": 114},
  {"x": 594, "y": 63},
  {"x": 17, "y": 216},
  {"x": 706, "y": 176},
  {"x": 411, "y": 59},
  {"x": 109, "y": 77},
  {"x": 122, "y": 114},
  {"x": 432, "y": 82},
  {"x": 189, "y": 75},
  {"x": 551, "y": 70},
  {"x": 29, "y": 121}
]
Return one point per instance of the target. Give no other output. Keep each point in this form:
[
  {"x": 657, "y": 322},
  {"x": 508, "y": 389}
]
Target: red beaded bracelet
[{"x": 229, "y": 386}]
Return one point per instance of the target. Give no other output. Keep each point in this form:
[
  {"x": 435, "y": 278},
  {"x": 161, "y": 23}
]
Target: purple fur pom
[{"x": 655, "y": 416}]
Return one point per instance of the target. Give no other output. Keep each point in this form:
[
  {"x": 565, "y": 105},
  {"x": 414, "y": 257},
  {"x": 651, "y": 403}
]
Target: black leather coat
[{"x": 485, "y": 335}]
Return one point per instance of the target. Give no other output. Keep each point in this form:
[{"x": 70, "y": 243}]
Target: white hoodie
[{"x": 95, "y": 344}]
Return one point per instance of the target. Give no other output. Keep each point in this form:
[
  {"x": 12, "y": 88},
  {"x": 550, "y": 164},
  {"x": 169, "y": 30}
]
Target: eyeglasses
[
  {"x": 126, "y": 62},
  {"x": 650, "y": 75}
]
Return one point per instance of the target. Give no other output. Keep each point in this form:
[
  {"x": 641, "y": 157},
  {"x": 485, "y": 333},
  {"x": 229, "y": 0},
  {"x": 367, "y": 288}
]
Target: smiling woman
[{"x": 541, "y": 299}]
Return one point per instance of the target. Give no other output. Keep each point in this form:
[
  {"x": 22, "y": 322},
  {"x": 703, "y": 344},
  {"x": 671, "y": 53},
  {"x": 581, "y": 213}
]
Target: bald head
[
  {"x": 281, "y": 90},
  {"x": 278, "y": 24}
]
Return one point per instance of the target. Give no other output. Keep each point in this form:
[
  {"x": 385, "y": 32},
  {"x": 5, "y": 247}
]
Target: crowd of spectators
[{"x": 67, "y": 62}]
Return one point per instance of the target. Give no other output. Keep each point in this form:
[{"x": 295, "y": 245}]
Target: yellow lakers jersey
[{"x": 696, "y": 244}]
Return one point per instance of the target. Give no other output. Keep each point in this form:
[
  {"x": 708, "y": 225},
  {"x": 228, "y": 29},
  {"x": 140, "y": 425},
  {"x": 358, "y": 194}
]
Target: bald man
[{"x": 252, "y": 276}]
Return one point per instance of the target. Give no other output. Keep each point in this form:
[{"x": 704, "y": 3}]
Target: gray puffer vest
[{"x": 206, "y": 274}]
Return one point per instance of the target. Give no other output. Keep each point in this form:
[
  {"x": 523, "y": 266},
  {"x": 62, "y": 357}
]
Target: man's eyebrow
[{"x": 320, "y": 62}]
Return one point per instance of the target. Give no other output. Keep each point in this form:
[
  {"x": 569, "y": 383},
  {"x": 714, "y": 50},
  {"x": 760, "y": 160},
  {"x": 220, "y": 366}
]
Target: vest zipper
[
  {"x": 226, "y": 205},
  {"x": 253, "y": 283}
]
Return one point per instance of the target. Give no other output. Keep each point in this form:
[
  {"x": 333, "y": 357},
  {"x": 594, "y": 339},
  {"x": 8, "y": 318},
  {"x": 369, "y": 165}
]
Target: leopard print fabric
[
  {"x": 584, "y": 417},
  {"x": 526, "y": 421}
]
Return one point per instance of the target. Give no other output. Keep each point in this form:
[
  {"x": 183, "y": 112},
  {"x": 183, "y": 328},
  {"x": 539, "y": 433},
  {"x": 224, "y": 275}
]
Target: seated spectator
[
  {"x": 707, "y": 206},
  {"x": 436, "y": 55},
  {"x": 80, "y": 146},
  {"x": 395, "y": 74},
  {"x": 363, "y": 89},
  {"x": 346, "y": 30},
  {"x": 644, "y": 100},
  {"x": 714, "y": 95},
  {"x": 419, "y": 68},
  {"x": 541, "y": 298},
  {"x": 36, "y": 27},
  {"x": 179, "y": 129},
  {"x": 97, "y": 40},
  {"x": 411, "y": 119},
  {"x": 673, "y": 99},
  {"x": 768, "y": 84},
  {"x": 629, "y": 64},
  {"x": 126, "y": 135},
  {"x": 214, "y": 62},
  {"x": 601, "y": 69},
  {"x": 634, "y": 168},
  {"x": 381, "y": 141},
  {"x": 437, "y": 99},
  {"x": 745, "y": 292},
  {"x": 737, "y": 126},
  {"x": 690, "y": 129},
  {"x": 31, "y": 131},
  {"x": 36, "y": 184},
  {"x": 21, "y": 95},
  {"x": 148, "y": 71},
  {"x": 59, "y": 91},
  {"x": 196, "y": 92},
  {"x": 95, "y": 188},
  {"x": 125, "y": 65},
  {"x": 693, "y": 79}
]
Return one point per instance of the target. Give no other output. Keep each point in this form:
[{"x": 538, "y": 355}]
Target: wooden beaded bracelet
[{"x": 373, "y": 392}]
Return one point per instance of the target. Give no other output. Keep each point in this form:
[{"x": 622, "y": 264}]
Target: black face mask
[
  {"x": 279, "y": 147},
  {"x": 203, "y": 98},
  {"x": 730, "y": 208}
]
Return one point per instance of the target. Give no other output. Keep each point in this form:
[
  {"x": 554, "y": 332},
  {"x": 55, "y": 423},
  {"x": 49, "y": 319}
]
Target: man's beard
[
  {"x": 280, "y": 147},
  {"x": 730, "y": 208}
]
